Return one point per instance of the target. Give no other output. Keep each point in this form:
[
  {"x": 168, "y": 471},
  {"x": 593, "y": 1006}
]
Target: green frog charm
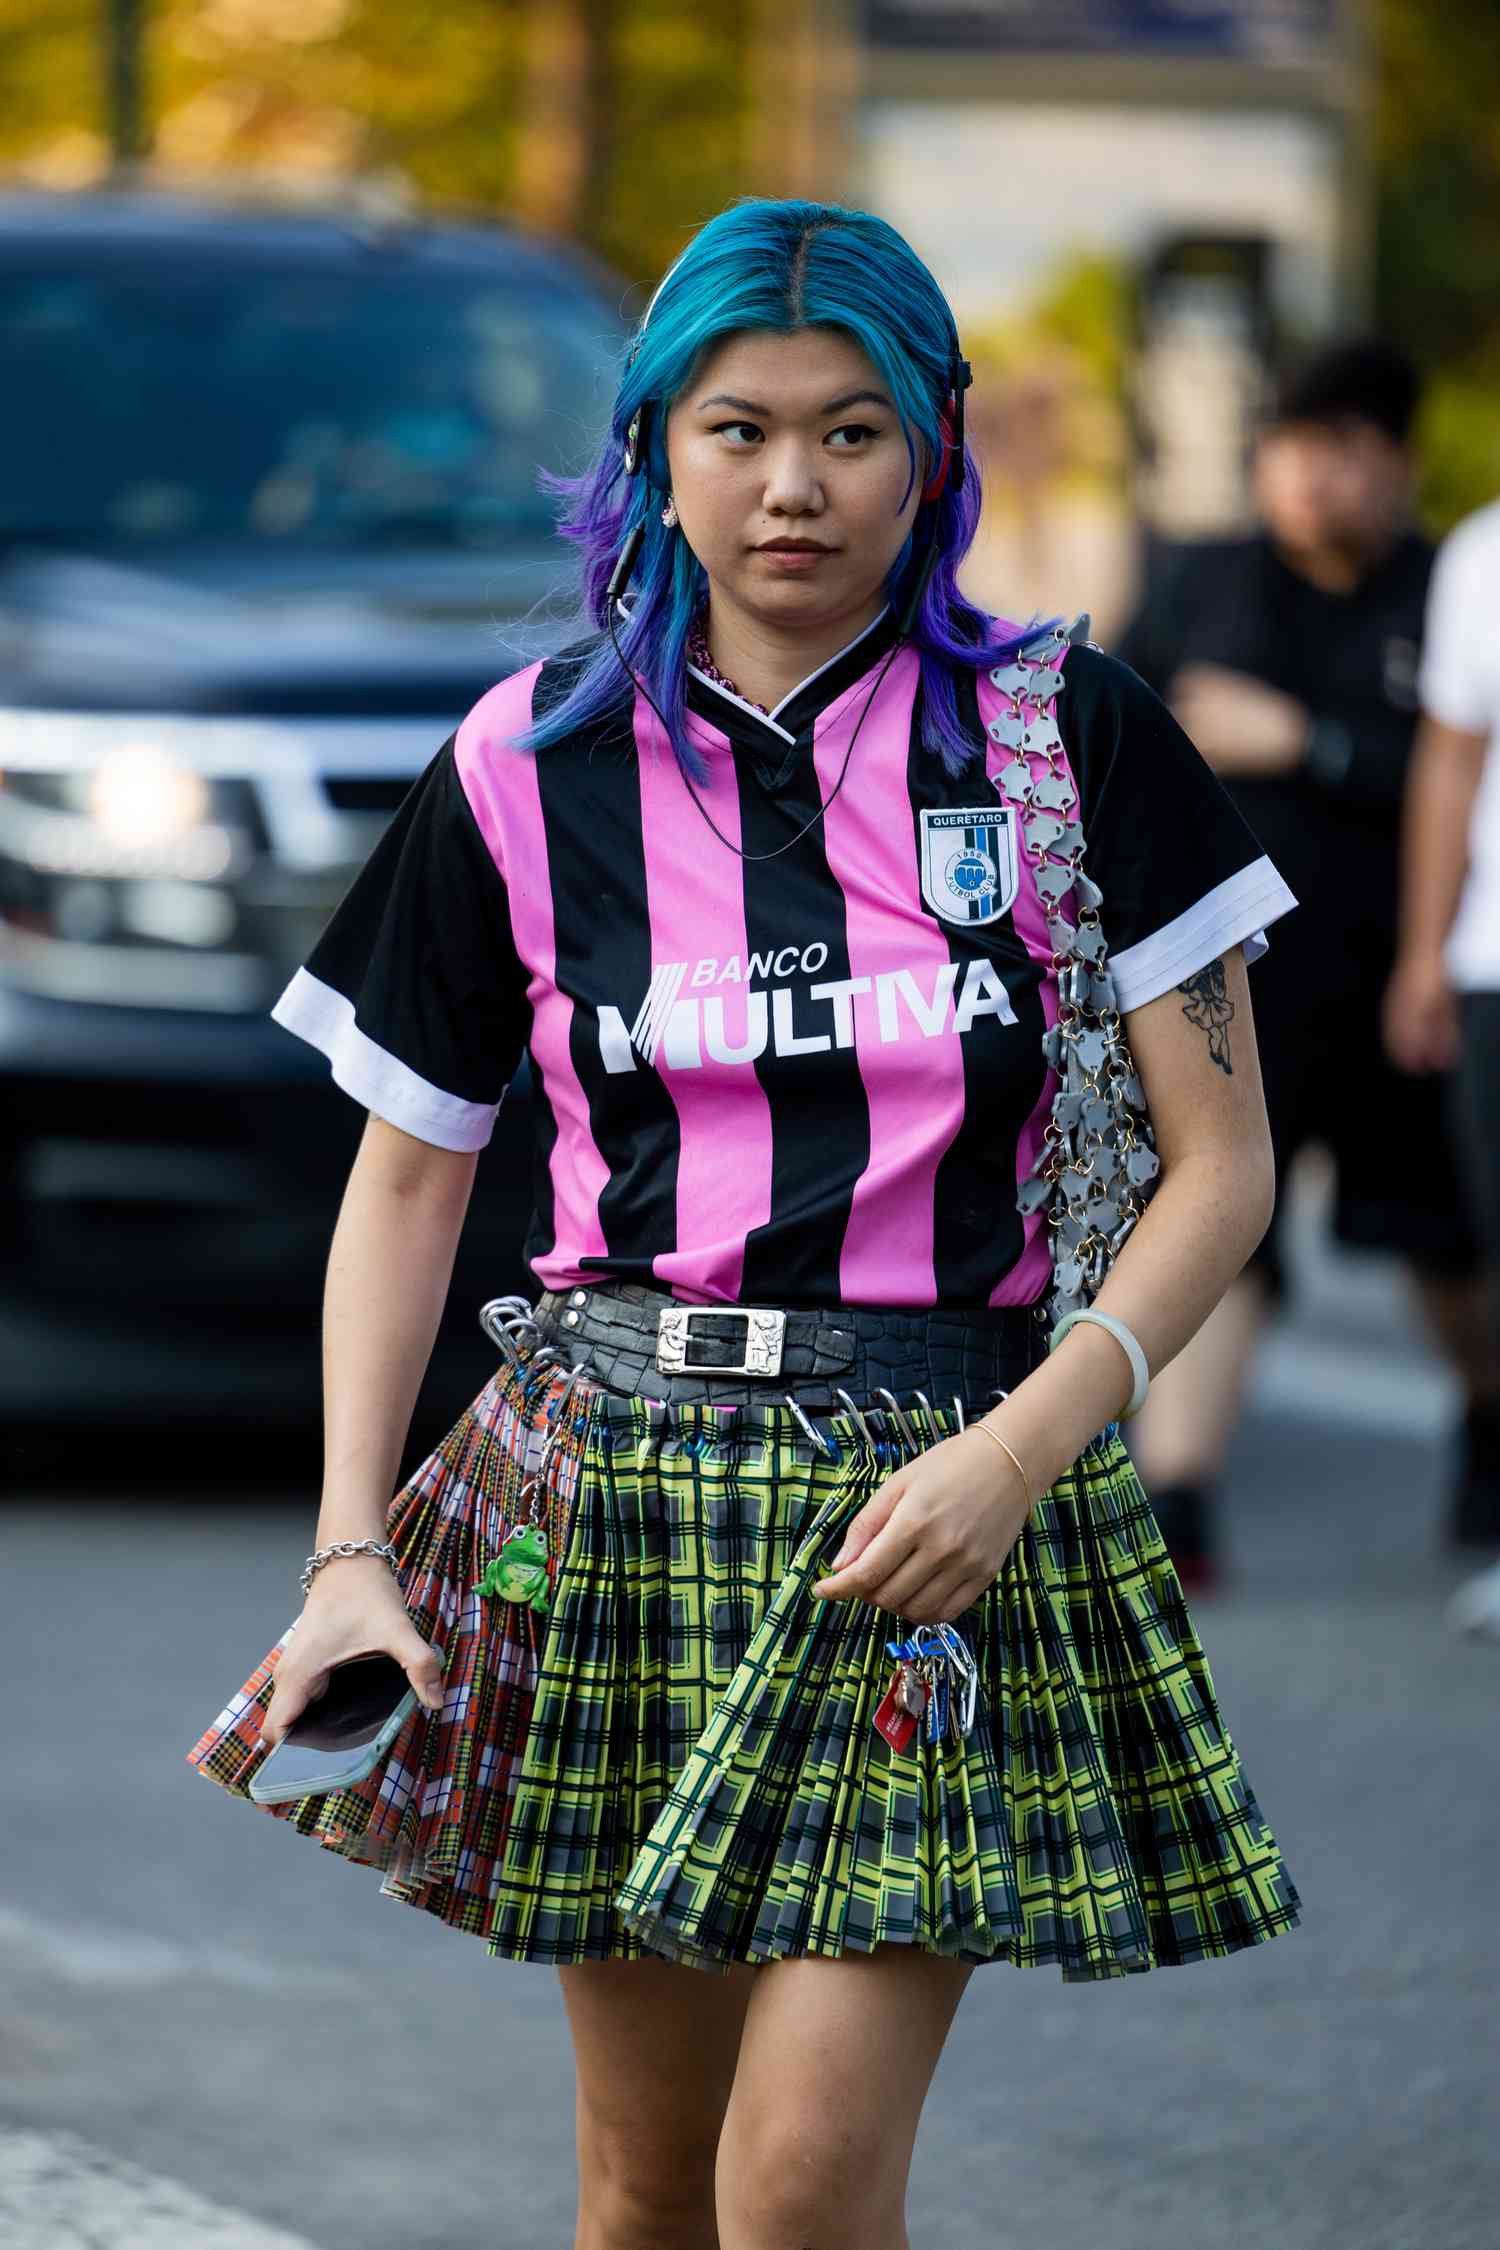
[{"x": 519, "y": 1572}]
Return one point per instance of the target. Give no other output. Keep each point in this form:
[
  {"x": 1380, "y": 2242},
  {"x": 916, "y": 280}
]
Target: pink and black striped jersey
[{"x": 814, "y": 1078}]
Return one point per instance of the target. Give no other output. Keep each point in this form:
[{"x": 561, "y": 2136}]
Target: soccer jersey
[{"x": 811, "y": 1074}]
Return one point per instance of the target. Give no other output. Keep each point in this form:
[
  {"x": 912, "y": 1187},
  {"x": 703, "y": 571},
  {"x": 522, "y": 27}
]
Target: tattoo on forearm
[{"x": 1211, "y": 1008}]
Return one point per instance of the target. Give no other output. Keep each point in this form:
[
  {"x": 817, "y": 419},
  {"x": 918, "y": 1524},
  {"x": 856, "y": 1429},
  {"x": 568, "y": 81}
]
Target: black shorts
[
  {"x": 1401, "y": 1171},
  {"x": 1476, "y": 1105}
]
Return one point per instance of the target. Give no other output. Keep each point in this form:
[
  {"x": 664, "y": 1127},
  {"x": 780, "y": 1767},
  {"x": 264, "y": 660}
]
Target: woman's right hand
[{"x": 354, "y": 1607}]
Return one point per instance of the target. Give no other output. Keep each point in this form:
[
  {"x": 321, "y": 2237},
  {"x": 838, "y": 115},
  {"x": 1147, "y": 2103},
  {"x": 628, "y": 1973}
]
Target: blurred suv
[{"x": 269, "y": 525}]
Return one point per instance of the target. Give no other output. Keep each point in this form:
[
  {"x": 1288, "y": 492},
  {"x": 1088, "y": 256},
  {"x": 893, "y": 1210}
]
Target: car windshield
[{"x": 297, "y": 407}]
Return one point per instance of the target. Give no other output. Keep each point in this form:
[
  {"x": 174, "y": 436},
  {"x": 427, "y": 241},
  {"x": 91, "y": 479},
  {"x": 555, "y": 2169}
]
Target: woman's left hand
[{"x": 933, "y": 1537}]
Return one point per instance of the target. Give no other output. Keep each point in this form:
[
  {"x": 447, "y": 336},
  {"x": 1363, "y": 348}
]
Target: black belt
[{"x": 643, "y": 1341}]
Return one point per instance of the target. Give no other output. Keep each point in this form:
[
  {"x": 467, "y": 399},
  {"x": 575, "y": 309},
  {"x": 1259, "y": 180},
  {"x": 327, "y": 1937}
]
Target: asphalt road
[{"x": 215, "y": 2037}]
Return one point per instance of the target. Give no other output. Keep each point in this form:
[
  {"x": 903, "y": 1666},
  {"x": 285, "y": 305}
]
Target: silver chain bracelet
[{"x": 322, "y": 1555}]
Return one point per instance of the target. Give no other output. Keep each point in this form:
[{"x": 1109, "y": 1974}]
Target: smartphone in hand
[{"x": 341, "y": 1735}]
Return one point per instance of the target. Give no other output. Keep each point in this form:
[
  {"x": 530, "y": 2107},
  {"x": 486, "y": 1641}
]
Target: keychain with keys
[
  {"x": 937, "y": 1702},
  {"x": 908, "y": 1698},
  {"x": 901, "y": 1707},
  {"x": 920, "y": 1692}
]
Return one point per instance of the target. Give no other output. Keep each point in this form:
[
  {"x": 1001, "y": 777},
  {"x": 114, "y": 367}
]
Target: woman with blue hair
[{"x": 882, "y": 968}]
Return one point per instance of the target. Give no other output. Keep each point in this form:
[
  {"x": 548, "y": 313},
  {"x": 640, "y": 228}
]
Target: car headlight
[
  {"x": 120, "y": 881},
  {"x": 180, "y": 860},
  {"x": 139, "y": 814},
  {"x": 144, "y": 801}
]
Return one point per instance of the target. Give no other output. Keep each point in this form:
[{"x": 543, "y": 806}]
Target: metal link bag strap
[{"x": 1098, "y": 1164}]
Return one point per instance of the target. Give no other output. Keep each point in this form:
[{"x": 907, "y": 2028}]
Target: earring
[{"x": 669, "y": 512}]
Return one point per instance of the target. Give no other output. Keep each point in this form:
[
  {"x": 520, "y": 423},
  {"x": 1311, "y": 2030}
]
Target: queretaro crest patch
[{"x": 969, "y": 870}]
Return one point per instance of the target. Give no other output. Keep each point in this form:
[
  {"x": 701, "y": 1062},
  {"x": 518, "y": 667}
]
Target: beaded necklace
[{"x": 697, "y": 649}]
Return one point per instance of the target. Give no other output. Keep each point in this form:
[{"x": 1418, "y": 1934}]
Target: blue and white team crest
[{"x": 969, "y": 870}]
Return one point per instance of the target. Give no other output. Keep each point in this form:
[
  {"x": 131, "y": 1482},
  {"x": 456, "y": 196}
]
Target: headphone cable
[{"x": 618, "y": 577}]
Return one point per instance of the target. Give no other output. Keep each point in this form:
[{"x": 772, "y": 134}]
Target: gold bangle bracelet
[{"x": 999, "y": 1440}]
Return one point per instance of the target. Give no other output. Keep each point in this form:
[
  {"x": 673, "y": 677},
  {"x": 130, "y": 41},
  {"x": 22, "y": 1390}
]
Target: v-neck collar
[
  {"x": 801, "y": 705},
  {"x": 793, "y": 717}
]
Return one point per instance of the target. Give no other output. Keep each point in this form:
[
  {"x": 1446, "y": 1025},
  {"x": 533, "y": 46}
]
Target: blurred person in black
[
  {"x": 1291, "y": 658},
  {"x": 1442, "y": 1005}
]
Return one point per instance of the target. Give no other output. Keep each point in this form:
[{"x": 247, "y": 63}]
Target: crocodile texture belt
[{"x": 627, "y": 1337}]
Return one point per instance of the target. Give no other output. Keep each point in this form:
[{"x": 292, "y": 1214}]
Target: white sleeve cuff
[
  {"x": 385, "y": 1085},
  {"x": 1234, "y": 912}
]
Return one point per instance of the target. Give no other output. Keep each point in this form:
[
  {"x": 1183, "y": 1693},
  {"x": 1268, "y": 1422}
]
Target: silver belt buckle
[{"x": 765, "y": 1336}]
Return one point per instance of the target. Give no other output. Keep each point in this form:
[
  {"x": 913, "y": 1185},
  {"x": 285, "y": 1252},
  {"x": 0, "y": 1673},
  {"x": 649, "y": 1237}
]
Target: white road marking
[{"x": 60, "y": 2192}]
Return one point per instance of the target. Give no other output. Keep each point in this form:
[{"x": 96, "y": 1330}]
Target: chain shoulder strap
[{"x": 1098, "y": 1163}]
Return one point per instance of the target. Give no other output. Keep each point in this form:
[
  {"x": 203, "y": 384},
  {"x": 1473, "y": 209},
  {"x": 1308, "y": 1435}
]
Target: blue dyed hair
[{"x": 777, "y": 265}]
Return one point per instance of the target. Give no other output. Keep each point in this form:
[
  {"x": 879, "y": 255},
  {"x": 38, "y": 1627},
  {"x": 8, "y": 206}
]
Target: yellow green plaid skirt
[{"x": 675, "y": 1755}]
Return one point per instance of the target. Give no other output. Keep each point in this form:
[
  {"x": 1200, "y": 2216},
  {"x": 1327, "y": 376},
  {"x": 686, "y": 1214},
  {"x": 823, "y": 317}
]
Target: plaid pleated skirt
[{"x": 676, "y": 1756}]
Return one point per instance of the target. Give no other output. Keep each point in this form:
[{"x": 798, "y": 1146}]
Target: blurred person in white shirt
[{"x": 1442, "y": 1003}]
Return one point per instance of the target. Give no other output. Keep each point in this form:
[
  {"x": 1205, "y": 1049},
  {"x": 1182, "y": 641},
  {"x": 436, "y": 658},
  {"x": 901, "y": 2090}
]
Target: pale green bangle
[{"x": 1128, "y": 1343}]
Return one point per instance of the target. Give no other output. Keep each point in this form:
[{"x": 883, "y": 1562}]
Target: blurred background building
[{"x": 1135, "y": 206}]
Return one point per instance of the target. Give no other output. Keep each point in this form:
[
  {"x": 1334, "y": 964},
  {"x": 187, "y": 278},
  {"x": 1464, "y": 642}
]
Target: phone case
[{"x": 340, "y": 1769}]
